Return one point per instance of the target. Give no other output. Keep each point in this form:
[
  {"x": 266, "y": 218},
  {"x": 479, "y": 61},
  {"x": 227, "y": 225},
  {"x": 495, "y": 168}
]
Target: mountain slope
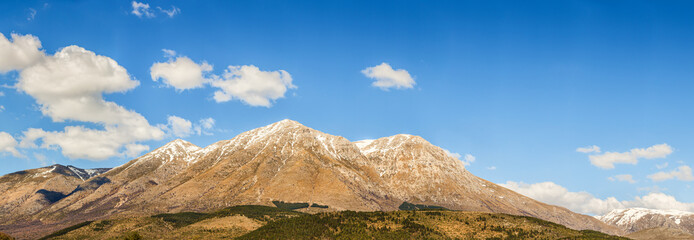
[
  {"x": 260, "y": 222},
  {"x": 637, "y": 219},
  {"x": 416, "y": 171},
  {"x": 289, "y": 162},
  {"x": 29, "y": 191}
]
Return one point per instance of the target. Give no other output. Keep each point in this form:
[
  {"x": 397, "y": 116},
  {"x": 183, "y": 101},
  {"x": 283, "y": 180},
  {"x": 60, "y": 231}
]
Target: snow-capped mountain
[
  {"x": 637, "y": 219},
  {"x": 29, "y": 191},
  {"x": 287, "y": 161}
]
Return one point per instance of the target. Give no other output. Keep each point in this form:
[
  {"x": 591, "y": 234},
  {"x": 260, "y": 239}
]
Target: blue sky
[{"x": 518, "y": 84}]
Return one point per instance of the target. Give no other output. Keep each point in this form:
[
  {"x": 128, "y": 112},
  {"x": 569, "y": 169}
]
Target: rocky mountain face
[
  {"x": 289, "y": 162},
  {"x": 637, "y": 219},
  {"x": 30, "y": 191}
]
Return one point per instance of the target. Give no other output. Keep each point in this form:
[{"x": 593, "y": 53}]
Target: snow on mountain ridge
[{"x": 624, "y": 217}]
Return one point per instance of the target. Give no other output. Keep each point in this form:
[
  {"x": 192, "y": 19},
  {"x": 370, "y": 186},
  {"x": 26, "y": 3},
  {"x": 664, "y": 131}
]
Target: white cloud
[
  {"x": 2, "y": 94},
  {"x": 135, "y": 150},
  {"x": 623, "y": 178},
  {"x": 182, "y": 73},
  {"x": 251, "y": 85},
  {"x": 8, "y": 144},
  {"x": 2, "y": 108},
  {"x": 682, "y": 173},
  {"x": 467, "y": 159},
  {"x": 608, "y": 159},
  {"x": 661, "y": 166},
  {"x": 386, "y": 77},
  {"x": 68, "y": 86},
  {"x": 180, "y": 127},
  {"x": 590, "y": 149},
  {"x": 583, "y": 202},
  {"x": 141, "y": 9},
  {"x": 203, "y": 126},
  {"x": 21, "y": 52},
  {"x": 491, "y": 168},
  {"x": 171, "y": 13}
]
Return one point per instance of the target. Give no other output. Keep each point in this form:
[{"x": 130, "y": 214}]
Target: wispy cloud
[
  {"x": 623, "y": 178},
  {"x": 32, "y": 14},
  {"x": 590, "y": 149},
  {"x": 172, "y": 12},
  {"x": 142, "y": 9},
  {"x": 607, "y": 160}
]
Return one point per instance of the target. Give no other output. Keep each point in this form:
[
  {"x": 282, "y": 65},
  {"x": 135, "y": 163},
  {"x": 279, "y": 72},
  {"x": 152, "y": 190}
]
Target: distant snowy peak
[
  {"x": 636, "y": 219},
  {"x": 175, "y": 149},
  {"x": 69, "y": 170}
]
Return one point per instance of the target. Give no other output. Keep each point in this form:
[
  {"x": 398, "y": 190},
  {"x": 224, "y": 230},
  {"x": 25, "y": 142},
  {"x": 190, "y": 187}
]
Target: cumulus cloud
[
  {"x": 180, "y": 127},
  {"x": 623, "y": 178},
  {"x": 252, "y": 86},
  {"x": 181, "y": 73},
  {"x": 68, "y": 86},
  {"x": 386, "y": 77},
  {"x": 21, "y": 52},
  {"x": 608, "y": 159},
  {"x": 135, "y": 150},
  {"x": 682, "y": 173},
  {"x": 590, "y": 149},
  {"x": 141, "y": 9},
  {"x": 8, "y": 144},
  {"x": 583, "y": 202}
]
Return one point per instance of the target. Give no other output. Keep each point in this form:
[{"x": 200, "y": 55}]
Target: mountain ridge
[
  {"x": 633, "y": 220},
  {"x": 289, "y": 162}
]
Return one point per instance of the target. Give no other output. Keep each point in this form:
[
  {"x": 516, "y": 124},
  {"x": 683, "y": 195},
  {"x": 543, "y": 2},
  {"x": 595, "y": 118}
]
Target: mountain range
[
  {"x": 283, "y": 162},
  {"x": 641, "y": 221}
]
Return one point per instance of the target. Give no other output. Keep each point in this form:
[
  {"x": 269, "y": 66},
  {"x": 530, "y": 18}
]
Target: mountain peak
[{"x": 174, "y": 149}]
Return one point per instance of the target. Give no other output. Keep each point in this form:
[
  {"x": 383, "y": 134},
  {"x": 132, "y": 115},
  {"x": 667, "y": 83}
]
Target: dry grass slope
[{"x": 261, "y": 222}]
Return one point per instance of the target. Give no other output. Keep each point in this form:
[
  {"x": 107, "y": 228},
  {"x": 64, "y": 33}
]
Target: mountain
[
  {"x": 28, "y": 192},
  {"x": 289, "y": 163},
  {"x": 637, "y": 219}
]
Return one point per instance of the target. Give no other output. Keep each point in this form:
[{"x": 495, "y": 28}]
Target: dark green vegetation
[
  {"x": 289, "y": 206},
  {"x": 429, "y": 224},
  {"x": 262, "y": 222},
  {"x": 410, "y": 206}
]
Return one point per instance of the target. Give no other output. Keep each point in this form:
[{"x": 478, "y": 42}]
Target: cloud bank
[{"x": 583, "y": 202}]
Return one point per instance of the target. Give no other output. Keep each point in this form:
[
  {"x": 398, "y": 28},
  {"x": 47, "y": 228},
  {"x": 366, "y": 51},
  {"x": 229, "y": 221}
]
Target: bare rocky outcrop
[{"x": 289, "y": 162}]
